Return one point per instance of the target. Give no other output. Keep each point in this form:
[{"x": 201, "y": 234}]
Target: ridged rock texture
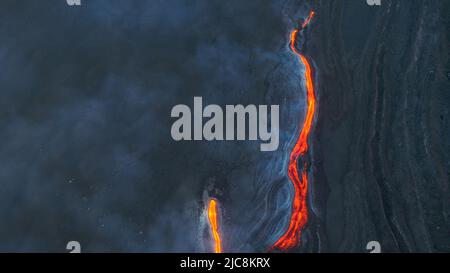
[{"x": 381, "y": 142}]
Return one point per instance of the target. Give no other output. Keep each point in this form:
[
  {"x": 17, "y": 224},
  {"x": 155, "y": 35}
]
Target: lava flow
[
  {"x": 299, "y": 216},
  {"x": 214, "y": 223}
]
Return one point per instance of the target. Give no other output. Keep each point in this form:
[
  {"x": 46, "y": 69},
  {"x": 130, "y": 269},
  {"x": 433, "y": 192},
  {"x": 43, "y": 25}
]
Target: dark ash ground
[{"x": 86, "y": 152}]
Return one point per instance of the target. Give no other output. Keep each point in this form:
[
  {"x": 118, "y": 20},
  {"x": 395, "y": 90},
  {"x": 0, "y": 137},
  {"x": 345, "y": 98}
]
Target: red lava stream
[{"x": 299, "y": 214}]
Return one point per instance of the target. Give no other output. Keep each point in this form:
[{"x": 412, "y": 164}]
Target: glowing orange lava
[
  {"x": 213, "y": 222},
  {"x": 311, "y": 15},
  {"x": 299, "y": 216}
]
